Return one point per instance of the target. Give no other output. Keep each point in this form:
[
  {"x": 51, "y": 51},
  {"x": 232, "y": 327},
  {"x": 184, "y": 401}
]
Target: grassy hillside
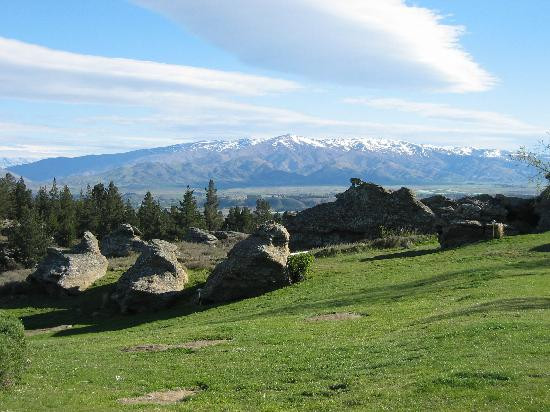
[{"x": 465, "y": 329}]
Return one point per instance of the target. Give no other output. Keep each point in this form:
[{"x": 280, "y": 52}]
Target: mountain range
[{"x": 286, "y": 160}]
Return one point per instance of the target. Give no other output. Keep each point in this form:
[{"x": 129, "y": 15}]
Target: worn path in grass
[{"x": 465, "y": 329}]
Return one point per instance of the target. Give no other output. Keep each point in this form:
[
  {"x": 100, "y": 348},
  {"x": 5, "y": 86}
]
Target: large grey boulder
[
  {"x": 462, "y": 232},
  {"x": 254, "y": 266},
  {"x": 230, "y": 235},
  {"x": 122, "y": 242},
  {"x": 197, "y": 235},
  {"x": 361, "y": 212},
  {"x": 153, "y": 282},
  {"x": 517, "y": 213},
  {"x": 71, "y": 271}
]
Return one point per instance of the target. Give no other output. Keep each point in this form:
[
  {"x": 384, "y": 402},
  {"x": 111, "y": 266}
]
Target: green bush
[
  {"x": 298, "y": 266},
  {"x": 12, "y": 350}
]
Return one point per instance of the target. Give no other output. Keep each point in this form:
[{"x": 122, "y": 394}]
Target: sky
[{"x": 104, "y": 76}]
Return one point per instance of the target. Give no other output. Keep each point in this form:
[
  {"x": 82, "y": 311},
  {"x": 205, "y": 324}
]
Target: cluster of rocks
[
  {"x": 196, "y": 235},
  {"x": 255, "y": 265},
  {"x": 361, "y": 212},
  {"x": 481, "y": 217},
  {"x": 71, "y": 271}
]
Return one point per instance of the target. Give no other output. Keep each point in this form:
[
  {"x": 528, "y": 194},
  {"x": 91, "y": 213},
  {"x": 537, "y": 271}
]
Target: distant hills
[{"x": 283, "y": 161}]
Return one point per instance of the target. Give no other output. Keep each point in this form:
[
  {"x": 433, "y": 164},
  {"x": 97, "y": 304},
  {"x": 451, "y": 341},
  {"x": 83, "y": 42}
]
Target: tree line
[{"x": 54, "y": 216}]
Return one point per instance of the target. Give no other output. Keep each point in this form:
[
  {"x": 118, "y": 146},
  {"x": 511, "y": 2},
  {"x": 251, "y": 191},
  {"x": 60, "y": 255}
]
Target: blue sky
[{"x": 79, "y": 77}]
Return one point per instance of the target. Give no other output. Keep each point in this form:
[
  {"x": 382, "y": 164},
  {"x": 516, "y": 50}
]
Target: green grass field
[{"x": 465, "y": 329}]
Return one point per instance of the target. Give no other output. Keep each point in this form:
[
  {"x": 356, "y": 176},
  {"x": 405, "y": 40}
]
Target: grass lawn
[{"x": 465, "y": 329}]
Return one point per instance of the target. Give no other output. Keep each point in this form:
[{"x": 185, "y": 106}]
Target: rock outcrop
[
  {"x": 122, "y": 242},
  {"x": 230, "y": 235},
  {"x": 462, "y": 232},
  {"x": 254, "y": 266},
  {"x": 197, "y": 235},
  {"x": 71, "y": 271},
  {"x": 153, "y": 282},
  {"x": 361, "y": 212},
  {"x": 517, "y": 213}
]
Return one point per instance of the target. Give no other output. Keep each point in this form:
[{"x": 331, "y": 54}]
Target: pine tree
[
  {"x": 7, "y": 200},
  {"x": 130, "y": 215},
  {"x": 232, "y": 220},
  {"x": 114, "y": 209},
  {"x": 22, "y": 199},
  {"x": 262, "y": 213},
  {"x": 188, "y": 213},
  {"x": 213, "y": 217},
  {"x": 151, "y": 218},
  {"x": 53, "y": 210},
  {"x": 29, "y": 238},
  {"x": 66, "y": 232},
  {"x": 246, "y": 221}
]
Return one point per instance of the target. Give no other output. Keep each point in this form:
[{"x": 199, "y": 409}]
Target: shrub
[
  {"x": 298, "y": 266},
  {"x": 12, "y": 350}
]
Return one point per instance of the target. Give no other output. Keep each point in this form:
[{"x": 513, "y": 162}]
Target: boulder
[
  {"x": 361, "y": 212},
  {"x": 517, "y": 213},
  {"x": 71, "y": 271},
  {"x": 461, "y": 232},
  {"x": 230, "y": 235},
  {"x": 196, "y": 235},
  {"x": 153, "y": 282},
  {"x": 122, "y": 242},
  {"x": 254, "y": 266}
]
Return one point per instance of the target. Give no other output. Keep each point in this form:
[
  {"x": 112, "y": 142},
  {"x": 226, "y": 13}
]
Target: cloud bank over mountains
[{"x": 371, "y": 43}]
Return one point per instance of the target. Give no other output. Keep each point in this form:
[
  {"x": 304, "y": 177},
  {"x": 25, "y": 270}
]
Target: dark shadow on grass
[
  {"x": 541, "y": 248},
  {"x": 93, "y": 308},
  {"x": 500, "y": 305},
  {"x": 397, "y": 255},
  {"x": 442, "y": 282}
]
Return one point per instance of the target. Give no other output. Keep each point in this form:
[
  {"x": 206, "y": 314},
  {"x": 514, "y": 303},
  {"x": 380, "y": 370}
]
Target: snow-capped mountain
[
  {"x": 284, "y": 160},
  {"x": 6, "y": 162}
]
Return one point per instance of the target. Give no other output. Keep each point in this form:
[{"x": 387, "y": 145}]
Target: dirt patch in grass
[
  {"x": 334, "y": 316},
  {"x": 47, "y": 330},
  {"x": 197, "y": 344},
  {"x": 161, "y": 397}
]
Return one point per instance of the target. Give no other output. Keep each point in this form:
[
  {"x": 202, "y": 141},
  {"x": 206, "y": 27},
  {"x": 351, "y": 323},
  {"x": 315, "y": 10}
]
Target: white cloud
[
  {"x": 374, "y": 43},
  {"x": 441, "y": 111},
  {"x": 30, "y": 71}
]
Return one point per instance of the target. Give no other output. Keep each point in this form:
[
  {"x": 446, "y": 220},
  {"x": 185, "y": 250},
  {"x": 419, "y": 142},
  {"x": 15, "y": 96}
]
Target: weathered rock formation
[
  {"x": 71, "y": 271},
  {"x": 197, "y": 235},
  {"x": 229, "y": 235},
  {"x": 153, "y": 282},
  {"x": 123, "y": 241},
  {"x": 254, "y": 266},
  {"x": 461, "y": 232},
  {"x": 361, "y": 212},
  {"x": 517, "y": 213}
]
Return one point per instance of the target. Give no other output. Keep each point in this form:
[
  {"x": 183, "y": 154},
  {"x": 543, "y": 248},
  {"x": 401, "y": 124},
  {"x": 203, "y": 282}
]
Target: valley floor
[{"x": 464, "y": 329}]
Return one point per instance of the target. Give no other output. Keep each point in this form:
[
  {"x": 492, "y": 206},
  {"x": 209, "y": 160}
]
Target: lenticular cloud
[{"x": 368, "y": 43}]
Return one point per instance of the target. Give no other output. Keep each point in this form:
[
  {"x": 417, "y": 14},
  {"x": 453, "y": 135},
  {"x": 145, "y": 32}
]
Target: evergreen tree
[
  {"x": 151, "y": 218},
  {"x": 130, "y": 215},
  {"x": 213, "y": 217},
  {"x": 7, "y": 200},
  {"x": 114, "y": 209},
  {"x": 66, "y": 232},
  {"x": 87, "y": 212},
  {"x": 22, "y": 199},
  {"x": 262, "y": 213},
  {"x": 28, "y": 238},
  {"x": 246, "y": 221},
  {"x": 53, "y": 210},
  {"x": 232, "y": 220},
  {"x": 188, "y": 213}
]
